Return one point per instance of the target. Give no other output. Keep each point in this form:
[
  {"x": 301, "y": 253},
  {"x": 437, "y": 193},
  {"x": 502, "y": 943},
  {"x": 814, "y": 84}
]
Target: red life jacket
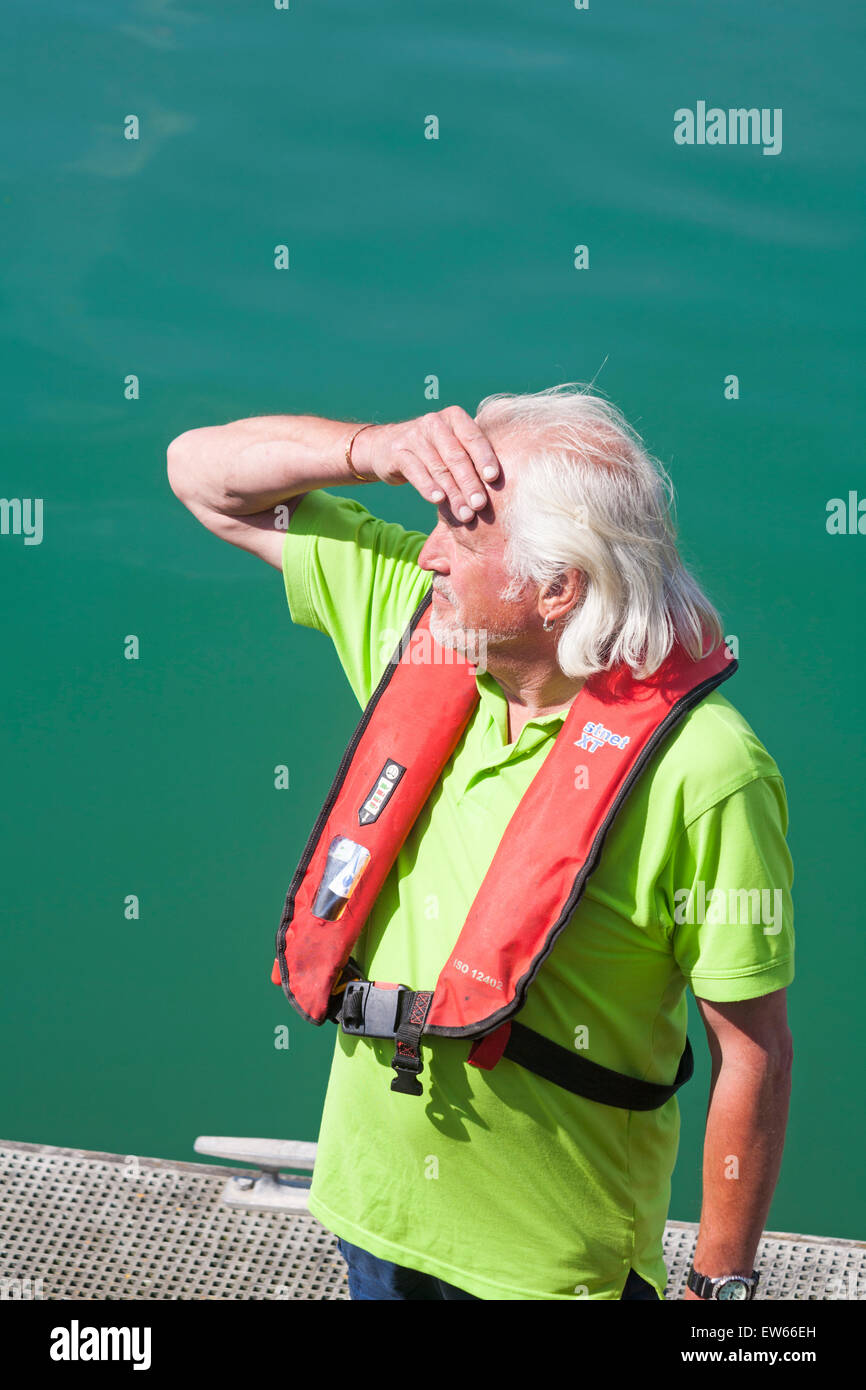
[{"x": 407, "y": 733}]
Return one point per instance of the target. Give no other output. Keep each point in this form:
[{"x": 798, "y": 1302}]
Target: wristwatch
[{"x": 728, "y": 1286}]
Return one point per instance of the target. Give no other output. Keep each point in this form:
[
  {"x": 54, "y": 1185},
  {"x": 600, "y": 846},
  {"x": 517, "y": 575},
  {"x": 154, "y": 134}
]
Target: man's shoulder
[
  {"x": 355, "y": 577},
  {"x": 319, "y": 503},
  {"x": 712, "y": 753},
  {"x": 330, "y": 516}
]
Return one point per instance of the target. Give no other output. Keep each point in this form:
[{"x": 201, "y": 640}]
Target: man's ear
[
  {"x": 569, "y": 584},
  {"x": 560, "y": 596}
]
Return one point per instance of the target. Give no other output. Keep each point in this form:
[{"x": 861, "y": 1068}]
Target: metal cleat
[{"x": 269, "y": 1189}]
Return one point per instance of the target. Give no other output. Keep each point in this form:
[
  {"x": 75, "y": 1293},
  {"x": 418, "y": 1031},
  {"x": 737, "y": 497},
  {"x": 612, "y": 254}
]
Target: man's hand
[
  {"x": 232, "y": 477},
  {"x": 444, "y": 455}
]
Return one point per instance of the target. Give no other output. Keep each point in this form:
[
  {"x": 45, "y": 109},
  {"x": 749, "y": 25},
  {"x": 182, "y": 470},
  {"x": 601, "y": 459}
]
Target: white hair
[{"x": 587, "y": 495}]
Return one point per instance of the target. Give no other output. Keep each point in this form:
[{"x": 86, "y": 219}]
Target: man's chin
[
  {"x": 447, "y": 635},
  {"x": 468, "y": 642}
]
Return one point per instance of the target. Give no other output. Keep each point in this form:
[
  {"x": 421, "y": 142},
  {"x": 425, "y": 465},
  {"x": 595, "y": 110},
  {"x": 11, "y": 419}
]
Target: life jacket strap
[
  {"x": 407, "y": 1062},
  {"x": 350, "y": 971},
  {"x": 378, "y": 1010},
  {"x": 375, "y": 1010},
  {"x": 371, "y": 1009},
  {"x": 589, "y": 1079}
]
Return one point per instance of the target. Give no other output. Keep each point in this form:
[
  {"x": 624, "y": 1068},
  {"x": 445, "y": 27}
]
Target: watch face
[{"x": 734, "y": 1288}]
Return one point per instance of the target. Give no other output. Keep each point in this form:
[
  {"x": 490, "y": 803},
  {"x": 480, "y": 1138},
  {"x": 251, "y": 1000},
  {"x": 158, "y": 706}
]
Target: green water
[{"x": 408, "y": 257}]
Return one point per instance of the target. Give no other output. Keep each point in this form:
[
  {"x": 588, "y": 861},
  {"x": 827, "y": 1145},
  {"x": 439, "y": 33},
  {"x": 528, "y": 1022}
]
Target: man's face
[{"x": 467, "y": 560}]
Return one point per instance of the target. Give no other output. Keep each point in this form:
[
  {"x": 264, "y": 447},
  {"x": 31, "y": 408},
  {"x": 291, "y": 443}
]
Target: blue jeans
[{"x": 371, "y": 1278}]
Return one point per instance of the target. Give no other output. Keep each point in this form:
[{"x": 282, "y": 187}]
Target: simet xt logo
[{"x": 594, "y": 735}]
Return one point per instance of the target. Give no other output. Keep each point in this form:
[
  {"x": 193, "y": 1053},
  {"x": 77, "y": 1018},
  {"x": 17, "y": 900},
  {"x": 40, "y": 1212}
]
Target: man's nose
[{"x": 432, "y": 554}]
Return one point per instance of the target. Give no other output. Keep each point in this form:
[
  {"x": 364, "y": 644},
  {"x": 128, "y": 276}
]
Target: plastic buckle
[
  {"x": 369, "y": 1010},
  {"x": 406, "y": 1080},
  {"x": 377, "y": 1011}
]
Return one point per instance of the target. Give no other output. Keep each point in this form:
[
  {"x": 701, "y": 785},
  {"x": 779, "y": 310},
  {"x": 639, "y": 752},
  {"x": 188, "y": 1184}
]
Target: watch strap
[{"x": 705, "y": 1285}]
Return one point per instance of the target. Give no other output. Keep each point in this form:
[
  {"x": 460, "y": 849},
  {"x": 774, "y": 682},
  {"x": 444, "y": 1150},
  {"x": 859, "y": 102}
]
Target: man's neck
[{"x": 532, "y": 691}]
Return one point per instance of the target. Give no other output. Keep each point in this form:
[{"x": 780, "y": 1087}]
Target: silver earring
[{"x": 546, "y": 625}]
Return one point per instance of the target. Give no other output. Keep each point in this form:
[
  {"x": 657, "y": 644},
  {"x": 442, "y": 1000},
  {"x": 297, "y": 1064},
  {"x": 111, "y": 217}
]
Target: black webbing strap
[
  {"x": 352, "y": 1012},
  {"x": 407, "y": 1061},
  {"x": 350, "y": 971},
  {"x": 589, "y": 1079},
  {"x": 401, "y": 1013}
]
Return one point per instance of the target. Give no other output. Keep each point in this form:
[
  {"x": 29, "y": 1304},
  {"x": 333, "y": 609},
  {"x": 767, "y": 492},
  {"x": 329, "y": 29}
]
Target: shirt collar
[{"x": 535, "y": 731}]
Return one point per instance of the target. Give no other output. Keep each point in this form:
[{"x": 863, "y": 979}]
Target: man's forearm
[
  {"x": 248, "y": 467},
  {"x": 251, "y": 465},
  {"x": 745, "y": 1136}
]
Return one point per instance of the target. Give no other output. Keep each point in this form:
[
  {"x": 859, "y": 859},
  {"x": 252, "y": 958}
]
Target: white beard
[{"x": 470, "y": 642}]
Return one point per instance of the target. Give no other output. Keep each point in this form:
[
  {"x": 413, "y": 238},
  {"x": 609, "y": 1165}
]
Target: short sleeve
[
  {"x": 355, "y": 578},
  {"x": 728, "y": 891}
]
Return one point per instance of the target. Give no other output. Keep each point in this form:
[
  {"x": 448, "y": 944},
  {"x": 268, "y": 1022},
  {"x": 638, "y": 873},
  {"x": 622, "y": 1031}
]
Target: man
[{"x": 552, "y": 561}]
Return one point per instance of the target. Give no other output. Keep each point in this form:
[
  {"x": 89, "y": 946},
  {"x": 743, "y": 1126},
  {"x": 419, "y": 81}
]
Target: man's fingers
[
  {"x": 440, "y": 484},
  {"x": 444, "y": 455},
  {"x": 476, "y": 444},
  {"x": 418, "y": 466},
  {"x": 454, "y": 464}
]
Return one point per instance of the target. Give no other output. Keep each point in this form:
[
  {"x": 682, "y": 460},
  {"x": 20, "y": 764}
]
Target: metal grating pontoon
[
  {"x": 82, "y": 1225},
  {"x": 104, "y": 1226}
]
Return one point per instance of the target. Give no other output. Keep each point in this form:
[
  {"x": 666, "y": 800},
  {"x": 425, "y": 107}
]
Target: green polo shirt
[{"x": 498, "y": 1181}]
